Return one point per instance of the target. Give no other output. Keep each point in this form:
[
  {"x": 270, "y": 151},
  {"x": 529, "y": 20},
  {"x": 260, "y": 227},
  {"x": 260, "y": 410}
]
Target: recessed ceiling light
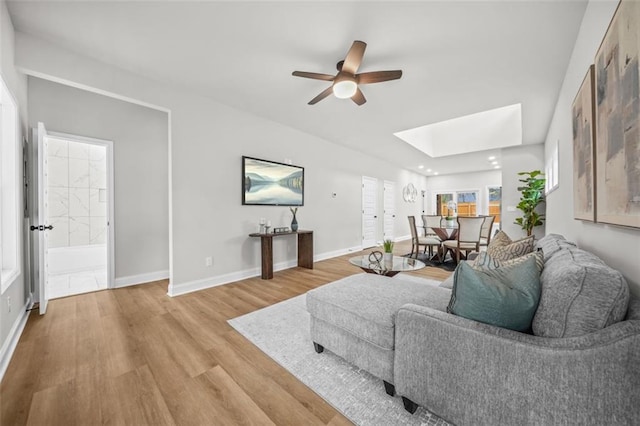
[
  {"x": 428, "y": 170},
  {"x": 492, "y": 158},
  {"x": 496, "y": 167},
  {"x": 494, "y": 163},
  {"x": 421, "y": 166},
  {"x": 435, "y": 173}
]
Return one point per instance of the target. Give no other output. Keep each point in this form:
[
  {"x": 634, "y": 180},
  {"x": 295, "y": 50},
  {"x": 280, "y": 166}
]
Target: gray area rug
[{"x": 282, "y": 332}]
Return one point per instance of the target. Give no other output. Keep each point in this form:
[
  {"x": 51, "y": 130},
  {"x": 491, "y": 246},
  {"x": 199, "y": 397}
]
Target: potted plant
[
  {"x": 388, "y": 250},
  {"x": 532, "y": 195},
  {"x": 451, "y": 221}
]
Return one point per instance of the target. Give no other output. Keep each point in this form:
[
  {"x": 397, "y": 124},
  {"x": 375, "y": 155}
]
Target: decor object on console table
[
  {"x": 294, "y": 221},
  {"x": 532, "y": 195}
]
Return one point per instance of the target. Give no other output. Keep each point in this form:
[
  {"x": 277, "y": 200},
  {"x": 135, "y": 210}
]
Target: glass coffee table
[{"x": 370, "y": 264}]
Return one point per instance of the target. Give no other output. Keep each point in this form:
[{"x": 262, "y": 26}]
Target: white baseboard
[
  {"x": 141, "y": 278},
  {"x": 403, "y": 238},
  {"x": 191, "y": 286},
  {"x": 9, "y": 346}
]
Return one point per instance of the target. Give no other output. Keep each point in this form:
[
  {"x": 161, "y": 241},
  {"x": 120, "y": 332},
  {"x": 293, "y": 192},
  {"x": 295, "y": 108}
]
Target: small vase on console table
[{"x": 294, "y": 221}]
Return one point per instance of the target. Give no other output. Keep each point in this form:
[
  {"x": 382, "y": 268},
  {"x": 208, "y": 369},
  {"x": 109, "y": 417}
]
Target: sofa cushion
[
  {"x": 580, "y": 295},
  {"x": 502, "y": 247},
  {"x": 484, "y": 260},
  {"x": 551, "y": 244},
  {"x": 366, "y": 305},
  {"x": 505, "y": 297}
]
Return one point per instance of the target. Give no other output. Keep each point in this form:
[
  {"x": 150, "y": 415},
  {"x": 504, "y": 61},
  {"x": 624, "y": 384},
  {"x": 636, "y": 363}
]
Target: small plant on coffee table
[{"x": 388, "y": 246}]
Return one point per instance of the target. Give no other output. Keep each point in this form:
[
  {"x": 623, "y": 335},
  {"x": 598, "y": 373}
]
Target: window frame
[{"x": 10, "y": 210}]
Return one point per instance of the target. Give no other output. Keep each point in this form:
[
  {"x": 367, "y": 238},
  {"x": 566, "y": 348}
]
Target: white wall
[
  {"x": 140, "y": 147},
  {"x": 478, "y": 181},
  {"x": 619, "y": 247},
  {"x": 524, "y": 158},
  {"x": 207, "y": 142},
  {"x": 18, "y": 292}
]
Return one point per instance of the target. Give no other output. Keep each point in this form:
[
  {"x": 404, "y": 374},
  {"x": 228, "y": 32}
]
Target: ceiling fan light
[{"x": 344, "y": 89}]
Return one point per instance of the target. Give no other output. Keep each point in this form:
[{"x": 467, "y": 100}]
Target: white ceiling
[{"x": 458, "y": 58}]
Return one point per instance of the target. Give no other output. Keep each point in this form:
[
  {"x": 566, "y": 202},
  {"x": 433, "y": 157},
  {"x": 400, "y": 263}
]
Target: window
[
  {"x": 9, "y": 225},
  {"x": 494, "y": 202},
  {"x": 457, "y": 203},
  {"x": 551, "y": 169}
]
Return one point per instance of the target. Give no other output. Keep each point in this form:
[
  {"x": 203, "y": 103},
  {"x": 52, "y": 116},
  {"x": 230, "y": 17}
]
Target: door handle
[{"x": 40, "y": 227}]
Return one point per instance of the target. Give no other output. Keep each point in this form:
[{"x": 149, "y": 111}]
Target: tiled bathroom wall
[{"x": 77, "y": 195}]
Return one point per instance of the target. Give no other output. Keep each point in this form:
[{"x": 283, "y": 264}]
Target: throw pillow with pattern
[
  {"x": 485, "y": 261},
  {"x": 503, "y": 248}
]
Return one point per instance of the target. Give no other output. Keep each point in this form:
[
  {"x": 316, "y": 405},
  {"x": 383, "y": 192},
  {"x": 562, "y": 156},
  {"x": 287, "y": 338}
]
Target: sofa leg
[
  {"x": 409, "y": 405},
  {"x": 318, "y": 347},
  {"x": 389, "y": 388}
]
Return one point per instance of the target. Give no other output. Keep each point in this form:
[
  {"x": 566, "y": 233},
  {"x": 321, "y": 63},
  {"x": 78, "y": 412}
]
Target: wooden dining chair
[
  {"x": 485, "y": 232},
  {"x": 468, "y": 237},
  {"x": 417, "y": 241}
]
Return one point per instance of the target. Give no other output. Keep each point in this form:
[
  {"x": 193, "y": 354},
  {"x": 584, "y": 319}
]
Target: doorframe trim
[{"x": 111, "y": 253}]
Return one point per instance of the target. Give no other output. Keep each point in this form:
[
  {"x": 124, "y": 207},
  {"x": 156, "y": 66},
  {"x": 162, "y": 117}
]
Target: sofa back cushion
[
  {"x": 580, "y": 294},
  {"x": 553, "y": 243}
]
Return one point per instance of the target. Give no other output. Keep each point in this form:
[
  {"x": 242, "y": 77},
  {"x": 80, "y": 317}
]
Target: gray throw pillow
[{"x": 505, "y": 297}]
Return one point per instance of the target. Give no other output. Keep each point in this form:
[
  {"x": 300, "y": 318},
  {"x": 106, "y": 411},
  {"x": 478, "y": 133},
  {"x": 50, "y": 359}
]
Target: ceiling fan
[{"x": 346, "y": 82}]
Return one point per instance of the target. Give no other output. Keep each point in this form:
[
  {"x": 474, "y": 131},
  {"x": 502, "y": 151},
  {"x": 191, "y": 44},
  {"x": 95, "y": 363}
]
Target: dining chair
[
  {"x": 468, "y": 237},
  {"x": 429, "y": 222},
  {"x": 417, "y": 240},
  {"x": 485, "y": 232}
]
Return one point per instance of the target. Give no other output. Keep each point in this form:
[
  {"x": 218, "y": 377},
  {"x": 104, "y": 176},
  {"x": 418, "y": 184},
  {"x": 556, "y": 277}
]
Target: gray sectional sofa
[{"x": 580, "y": 365}]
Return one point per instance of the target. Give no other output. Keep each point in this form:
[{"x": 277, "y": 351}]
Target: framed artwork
[
  {"x": 268, "y": 183},
  {"x": 583, "y": 117},
  {"x": 618, "y": 119}
]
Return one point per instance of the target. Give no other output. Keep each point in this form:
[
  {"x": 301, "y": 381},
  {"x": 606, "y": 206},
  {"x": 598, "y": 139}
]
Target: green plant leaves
[{"x": 532, "y": 194}]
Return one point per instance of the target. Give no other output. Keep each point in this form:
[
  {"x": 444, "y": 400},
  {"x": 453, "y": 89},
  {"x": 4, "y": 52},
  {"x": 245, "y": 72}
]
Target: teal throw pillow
[{"x": 505, "y": 297}]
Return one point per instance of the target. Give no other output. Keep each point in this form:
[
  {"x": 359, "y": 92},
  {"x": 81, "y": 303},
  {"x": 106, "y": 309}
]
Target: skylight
[{"x": 496, "y": 128}]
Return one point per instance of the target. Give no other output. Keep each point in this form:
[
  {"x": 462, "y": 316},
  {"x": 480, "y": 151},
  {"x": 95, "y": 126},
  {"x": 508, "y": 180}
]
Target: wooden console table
[{"x": 305, "y": 250}]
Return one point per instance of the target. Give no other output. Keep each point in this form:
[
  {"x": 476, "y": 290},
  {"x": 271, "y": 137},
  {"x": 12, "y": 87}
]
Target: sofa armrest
[{"x": 473, "y": 373}]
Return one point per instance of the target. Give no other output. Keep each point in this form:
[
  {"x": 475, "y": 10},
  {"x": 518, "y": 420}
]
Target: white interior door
[
  {"x": 369, "y": 211},
  {"x": 389, "y": 200},
  {"x": 42, "y": 226}
]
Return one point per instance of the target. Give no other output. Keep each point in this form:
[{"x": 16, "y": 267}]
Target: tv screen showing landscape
[{"x": 267, "y": 183}]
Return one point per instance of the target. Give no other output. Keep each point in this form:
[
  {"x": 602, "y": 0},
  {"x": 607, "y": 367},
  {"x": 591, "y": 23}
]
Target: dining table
[{"x": 446, "y": 233}]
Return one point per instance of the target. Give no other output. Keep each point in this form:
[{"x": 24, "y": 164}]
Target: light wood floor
[{"x": 136, "y": 356}]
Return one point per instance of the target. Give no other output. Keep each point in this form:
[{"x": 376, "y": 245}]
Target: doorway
[
  {"x": 369, "y": 211},
  {"x": 74, "y": 231}
]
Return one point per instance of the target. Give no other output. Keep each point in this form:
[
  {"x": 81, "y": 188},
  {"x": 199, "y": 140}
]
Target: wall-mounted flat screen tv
[{"x": 267, "y": 183}]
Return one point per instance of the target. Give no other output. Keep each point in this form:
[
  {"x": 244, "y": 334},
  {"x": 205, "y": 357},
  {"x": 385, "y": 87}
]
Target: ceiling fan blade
[
  {"x": 314, "y": 75},
  {"x": 359, "y": 97},
  {"x": 326, "y": 92},
  {"x": 354, "y": 57},
  {"x": 378, "y": 76}
]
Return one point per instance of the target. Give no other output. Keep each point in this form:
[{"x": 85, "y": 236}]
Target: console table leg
[
  {"x": 305, "y": 250},
  {"x": 267, "y": 258}
]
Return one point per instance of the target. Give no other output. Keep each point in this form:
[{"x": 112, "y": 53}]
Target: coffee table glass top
[{"x": 397, "y": 264}]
